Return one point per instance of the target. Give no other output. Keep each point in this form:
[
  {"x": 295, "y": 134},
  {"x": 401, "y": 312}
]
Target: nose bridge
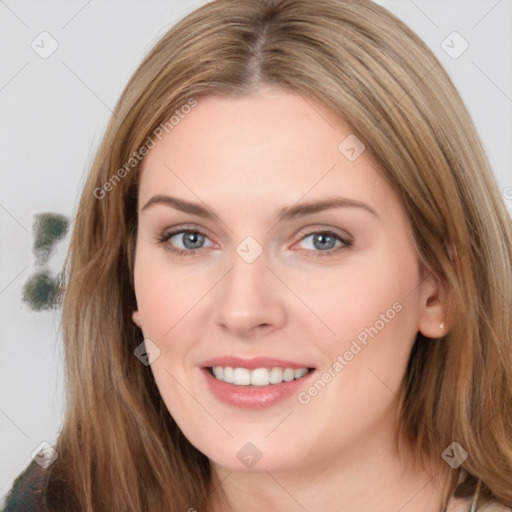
[{"x": 250, "y": 294}]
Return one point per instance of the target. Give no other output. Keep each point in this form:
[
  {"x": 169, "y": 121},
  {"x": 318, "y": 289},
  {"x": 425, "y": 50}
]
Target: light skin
[{"x": 245, "y": 159}]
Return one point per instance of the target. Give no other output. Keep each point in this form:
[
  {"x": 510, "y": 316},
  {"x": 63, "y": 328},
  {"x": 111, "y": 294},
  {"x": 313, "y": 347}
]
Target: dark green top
[{"x": 26, "y": 492}]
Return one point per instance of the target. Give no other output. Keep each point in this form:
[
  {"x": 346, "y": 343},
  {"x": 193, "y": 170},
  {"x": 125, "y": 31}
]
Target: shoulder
[
  {"x": 26, "y": 494},
  {"x": 464, "y": 505}
]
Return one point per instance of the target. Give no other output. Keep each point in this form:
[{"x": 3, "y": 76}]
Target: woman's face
[{"x": 276, "y": 278}]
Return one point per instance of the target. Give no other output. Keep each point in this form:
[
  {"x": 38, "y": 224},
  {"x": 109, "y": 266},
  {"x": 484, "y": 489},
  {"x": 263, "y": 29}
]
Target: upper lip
[{"x": 253, "y": 363}]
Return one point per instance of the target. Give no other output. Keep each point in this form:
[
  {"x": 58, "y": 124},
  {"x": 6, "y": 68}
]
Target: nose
[{"x": 250, "y": 299}]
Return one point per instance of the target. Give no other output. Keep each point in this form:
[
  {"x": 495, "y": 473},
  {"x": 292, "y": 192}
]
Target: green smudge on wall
[
  {"x": 49, "y": 228},
  {"x": 40, "y": 290}
]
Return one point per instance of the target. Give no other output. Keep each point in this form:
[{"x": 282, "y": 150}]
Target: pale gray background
[{"x": 54, "y": 112}]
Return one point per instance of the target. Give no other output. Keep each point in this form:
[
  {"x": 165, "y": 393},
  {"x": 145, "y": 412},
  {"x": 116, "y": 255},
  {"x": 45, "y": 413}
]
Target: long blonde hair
[{"x": 119, "y": 448}]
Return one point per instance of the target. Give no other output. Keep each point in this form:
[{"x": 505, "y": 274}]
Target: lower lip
[{"x": 254, "y": 397}]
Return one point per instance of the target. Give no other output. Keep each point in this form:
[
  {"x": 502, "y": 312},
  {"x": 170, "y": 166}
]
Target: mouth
[
  {"x": 257, "y": 382},
  {"x": 258, "y": 377}
]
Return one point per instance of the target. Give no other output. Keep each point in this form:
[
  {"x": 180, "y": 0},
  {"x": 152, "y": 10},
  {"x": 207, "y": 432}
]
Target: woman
[{"x": 221, "y": 353}]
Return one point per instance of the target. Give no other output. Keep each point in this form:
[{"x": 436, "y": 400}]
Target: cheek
[
  {"x": 164, "y": 296},
  {"x": 378, "y": 325},
  {"x": 355, "y": 296},
  {"x": 165, "y": 293}
]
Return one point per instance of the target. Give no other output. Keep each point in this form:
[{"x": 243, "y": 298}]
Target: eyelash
[{"x": 190, "y": 252}]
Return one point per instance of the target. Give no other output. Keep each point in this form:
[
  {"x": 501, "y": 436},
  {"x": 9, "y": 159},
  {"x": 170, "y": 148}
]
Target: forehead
[
  {"x": 273, "y": 121},
  {"x": 249, "y": 149}
]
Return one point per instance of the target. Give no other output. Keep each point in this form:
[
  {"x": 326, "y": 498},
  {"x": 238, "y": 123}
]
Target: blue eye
[
  {"x": 324, "y": 241},
  {"x": 193, "y": 240},
  {"x": 189, "y": 238}
]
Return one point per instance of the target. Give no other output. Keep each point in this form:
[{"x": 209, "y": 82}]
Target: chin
[{"x": 253, "y": 457}]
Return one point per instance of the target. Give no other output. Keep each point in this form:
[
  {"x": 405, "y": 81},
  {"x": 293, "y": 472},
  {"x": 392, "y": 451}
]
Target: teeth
[
  {"x": 257, "y": 377},
  {"x": 228, "y": 374},
  {"x": 241, "y": 377}
]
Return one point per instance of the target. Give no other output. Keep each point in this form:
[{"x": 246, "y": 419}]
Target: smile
[{"x": 258, "y": 376}]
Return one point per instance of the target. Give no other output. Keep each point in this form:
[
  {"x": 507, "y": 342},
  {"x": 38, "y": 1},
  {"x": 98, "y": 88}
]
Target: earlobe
[
  {"x": 136, "y": 318},
  {"x": 433, "y": 316}
]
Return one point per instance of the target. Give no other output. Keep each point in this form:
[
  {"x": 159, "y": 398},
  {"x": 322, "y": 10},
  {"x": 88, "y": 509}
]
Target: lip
[
  {"x": 253, "y": 363},
  {"x": 254, "y": 397}
]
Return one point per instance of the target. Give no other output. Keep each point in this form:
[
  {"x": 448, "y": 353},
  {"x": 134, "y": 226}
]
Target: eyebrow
[{"x": 285, "y": 214}]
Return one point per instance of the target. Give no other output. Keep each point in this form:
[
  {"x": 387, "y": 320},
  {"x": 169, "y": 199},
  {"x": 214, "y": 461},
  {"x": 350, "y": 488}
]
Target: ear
[
  {"x": 433, "y": 317},
  {"x": 136, "y": 318}
]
